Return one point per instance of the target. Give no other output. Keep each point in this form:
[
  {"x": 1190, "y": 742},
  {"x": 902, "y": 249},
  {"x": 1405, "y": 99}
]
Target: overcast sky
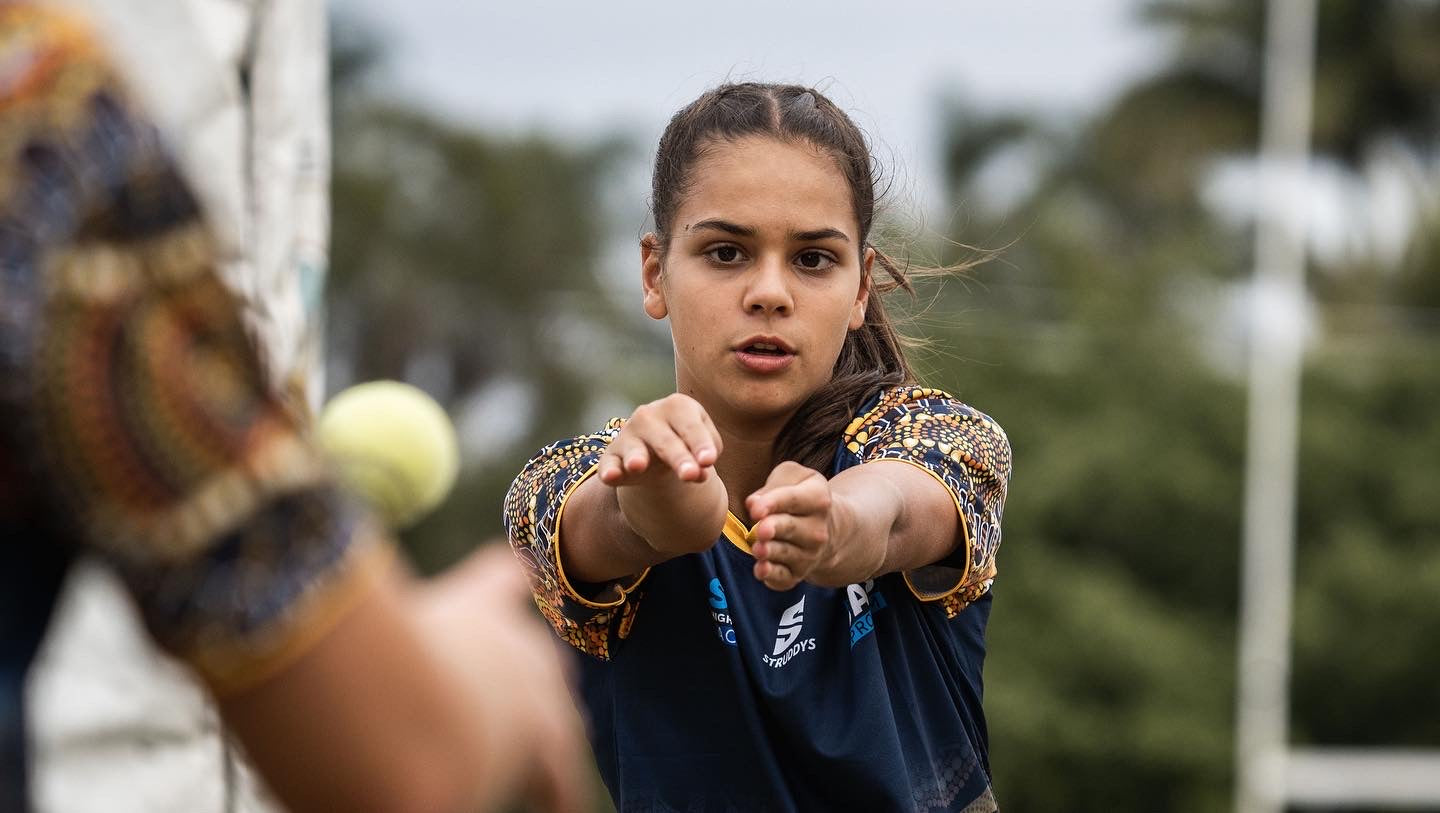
[{"x": 587, "y": 69}]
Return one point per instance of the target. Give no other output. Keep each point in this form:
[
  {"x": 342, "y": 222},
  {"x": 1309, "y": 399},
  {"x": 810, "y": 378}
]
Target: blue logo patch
[
  {"x": 724, "y": 624},
  {"x": 717, "y": 595},
  {"x": 861, "y": 627},
  {"x": 864, "y": 600}
]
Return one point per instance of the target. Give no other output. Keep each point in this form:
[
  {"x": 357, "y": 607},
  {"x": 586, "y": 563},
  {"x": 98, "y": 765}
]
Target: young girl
[{"x": 779, "y": 574}]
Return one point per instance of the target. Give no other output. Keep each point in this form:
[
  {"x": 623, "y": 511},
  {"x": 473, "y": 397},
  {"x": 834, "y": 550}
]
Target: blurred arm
[
  {"x": 365, "y": 719},
  {"x": 141, "y": 410},
  {"x": 435, "y": 696}
]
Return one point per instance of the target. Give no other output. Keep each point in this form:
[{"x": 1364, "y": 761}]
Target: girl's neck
[
  {"x": 749, "y": 450},
  {"x": 744, "y": 466}
]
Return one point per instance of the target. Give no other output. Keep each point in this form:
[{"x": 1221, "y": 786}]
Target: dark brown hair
[{"x": 872, "y": 356}]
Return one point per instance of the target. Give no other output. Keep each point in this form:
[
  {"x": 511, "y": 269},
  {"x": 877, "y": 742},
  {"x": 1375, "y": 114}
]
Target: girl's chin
[
  {"x": 765, "y": 401},
  {"x": 750, "y": 398}
]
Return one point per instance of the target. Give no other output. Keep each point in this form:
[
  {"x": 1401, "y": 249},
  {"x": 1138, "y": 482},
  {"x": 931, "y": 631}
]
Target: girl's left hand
[{"x": 796, "y": 522}]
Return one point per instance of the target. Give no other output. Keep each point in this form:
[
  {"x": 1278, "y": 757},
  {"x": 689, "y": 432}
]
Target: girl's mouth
[{"x": 763, "y": 357}]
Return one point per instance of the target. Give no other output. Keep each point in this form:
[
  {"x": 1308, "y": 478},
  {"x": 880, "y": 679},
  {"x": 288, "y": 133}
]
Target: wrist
[
  {"x": 857, "y": 550},
  {"x": 675, "y": 518}
]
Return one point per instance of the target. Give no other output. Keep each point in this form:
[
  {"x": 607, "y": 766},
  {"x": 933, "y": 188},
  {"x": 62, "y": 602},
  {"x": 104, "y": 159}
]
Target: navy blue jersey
[{"x": 707, "y": 691}]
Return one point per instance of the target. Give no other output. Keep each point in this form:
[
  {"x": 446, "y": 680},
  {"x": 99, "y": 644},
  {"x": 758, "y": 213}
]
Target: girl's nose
[{"x": 768, "y": 288}]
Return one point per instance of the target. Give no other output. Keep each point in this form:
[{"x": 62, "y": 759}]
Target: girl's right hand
[
  {"x": 660, "y": 468},
  {"x": 671, "y": 438}
]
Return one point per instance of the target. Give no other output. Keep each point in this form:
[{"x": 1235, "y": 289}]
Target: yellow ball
[{"x": 394, "y": 446}]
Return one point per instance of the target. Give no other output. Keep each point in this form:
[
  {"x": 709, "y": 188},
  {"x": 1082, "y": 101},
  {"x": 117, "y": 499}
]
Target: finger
[
  {"x": 629, "y": 453},
  {"x": 616, "y": 471},
  {"x": 643, "y": 433},
  {"x": 798, "y": 561},
  {"x": 808, "y": 534},
  {"x": 785, "y": 475},
  {"x": 809, "y": 496},
  {"x": 637, "y": 460},
  {"x": 775, "y": 576},
  {"x": 611, "y": 468},
  {"x": 670, "y": 449},
  {"x": 788, "y": 472},
  {"x": 775, "y": 526},
  {"x": 714, "y": 432},
  {"x": 700, "y": 439}
]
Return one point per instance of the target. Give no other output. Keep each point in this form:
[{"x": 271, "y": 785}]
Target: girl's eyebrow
[
  {"x": 724, "y": 225},
  {"x": 819, "y": 234},
  {"x": 807, "y": 236}
]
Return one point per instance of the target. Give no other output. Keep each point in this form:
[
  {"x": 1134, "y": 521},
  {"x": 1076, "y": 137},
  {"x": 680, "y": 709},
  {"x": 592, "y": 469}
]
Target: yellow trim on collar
[{"x": 739, "y": 535}]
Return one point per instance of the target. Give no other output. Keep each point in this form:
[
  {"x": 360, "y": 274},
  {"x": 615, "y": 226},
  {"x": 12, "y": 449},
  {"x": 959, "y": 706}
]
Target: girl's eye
[
  {"x": 814, "y": 261},
  {"x": 724, "y": 254}
]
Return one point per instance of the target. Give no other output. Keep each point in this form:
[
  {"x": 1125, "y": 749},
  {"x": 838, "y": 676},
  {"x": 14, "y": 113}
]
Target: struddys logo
[
  {"x": 864, "y": 600},
  {"x": 788, "y": 642},
  {"x": 720, "y": 611}
]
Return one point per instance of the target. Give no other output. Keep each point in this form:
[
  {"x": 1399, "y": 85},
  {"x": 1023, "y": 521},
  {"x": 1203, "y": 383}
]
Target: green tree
[
  {"x": 1105, "y": 339},
  {"x": 462, "y": 260}
]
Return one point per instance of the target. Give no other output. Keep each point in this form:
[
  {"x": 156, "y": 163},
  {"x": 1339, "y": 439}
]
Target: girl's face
[{"x": 763, "y": 277}]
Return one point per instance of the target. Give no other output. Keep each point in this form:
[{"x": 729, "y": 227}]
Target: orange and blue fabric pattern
[
  {"x": 969, "y": 453},
  {"x": 134, "y": 410},
  {"x": 532, "y": 519}
]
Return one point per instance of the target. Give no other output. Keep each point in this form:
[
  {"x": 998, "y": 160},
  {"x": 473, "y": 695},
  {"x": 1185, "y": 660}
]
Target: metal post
[{"x": 1276, "y": 338}]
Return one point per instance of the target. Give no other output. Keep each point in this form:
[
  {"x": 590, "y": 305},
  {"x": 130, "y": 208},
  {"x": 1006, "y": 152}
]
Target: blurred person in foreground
[
  {"x": 135, "y": 424},
  {"x": 241, "y": 93}
]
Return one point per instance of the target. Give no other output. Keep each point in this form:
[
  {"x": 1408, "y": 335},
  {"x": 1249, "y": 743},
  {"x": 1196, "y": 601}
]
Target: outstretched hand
[
  {"x": 797, "y": 521},
  {"x": 536, "y": 738},
  {"x": 671, "y": 437},
  {"x": 662, "y": 467}
]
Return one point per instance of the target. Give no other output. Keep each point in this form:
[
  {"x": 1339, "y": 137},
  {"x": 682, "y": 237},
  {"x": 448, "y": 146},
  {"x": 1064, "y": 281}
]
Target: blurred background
[{"x": 490, "y": 184}]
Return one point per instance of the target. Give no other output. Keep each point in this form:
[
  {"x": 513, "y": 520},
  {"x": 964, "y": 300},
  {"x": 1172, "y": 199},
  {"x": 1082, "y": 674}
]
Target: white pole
[
  {"x": 1396, "y": 778},
  {"x": 1276, "y": 337}
]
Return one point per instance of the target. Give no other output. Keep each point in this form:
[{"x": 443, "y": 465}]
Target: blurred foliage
[
  {"x": 1107, "y": 339},
  {"x": 1106, "y": 336},
  {"x": 462, "y": 259}
]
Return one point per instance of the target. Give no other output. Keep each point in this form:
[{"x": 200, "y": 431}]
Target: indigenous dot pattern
[
  {"x": 969, "y": 453},
  {"x": 532, "y": 522},
  {"x": 132, "y": 407}
]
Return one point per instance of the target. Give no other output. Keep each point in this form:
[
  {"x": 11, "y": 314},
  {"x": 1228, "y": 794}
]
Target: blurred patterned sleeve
[
  {"x": 131, "y": 386},
  {"x": 969, "y": 454},
  {"x": 591, "y": 618}
]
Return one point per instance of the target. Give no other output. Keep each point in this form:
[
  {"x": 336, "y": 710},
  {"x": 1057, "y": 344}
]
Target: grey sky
[{"x": 587, "y": 69}]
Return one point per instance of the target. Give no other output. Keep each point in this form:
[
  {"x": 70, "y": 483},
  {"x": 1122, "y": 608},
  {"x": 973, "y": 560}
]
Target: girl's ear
[
  {"x": 650, "y": 273},
  {"x": 862, "y": 297}
]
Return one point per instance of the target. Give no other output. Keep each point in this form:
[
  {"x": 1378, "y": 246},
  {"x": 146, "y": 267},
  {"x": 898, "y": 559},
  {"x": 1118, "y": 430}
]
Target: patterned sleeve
[
  {"x": 969, "y": 454},
  {"x": 132, "y": 388},
  {"x": 591, "y": 618}
]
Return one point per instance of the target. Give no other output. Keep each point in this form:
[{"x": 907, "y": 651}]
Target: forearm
[
  {"x": 411, "y": 742},
  {"x": 609, "y": 533},
  {"x": 891, "y": 516},
  {"x": 673, "y": 516}
]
